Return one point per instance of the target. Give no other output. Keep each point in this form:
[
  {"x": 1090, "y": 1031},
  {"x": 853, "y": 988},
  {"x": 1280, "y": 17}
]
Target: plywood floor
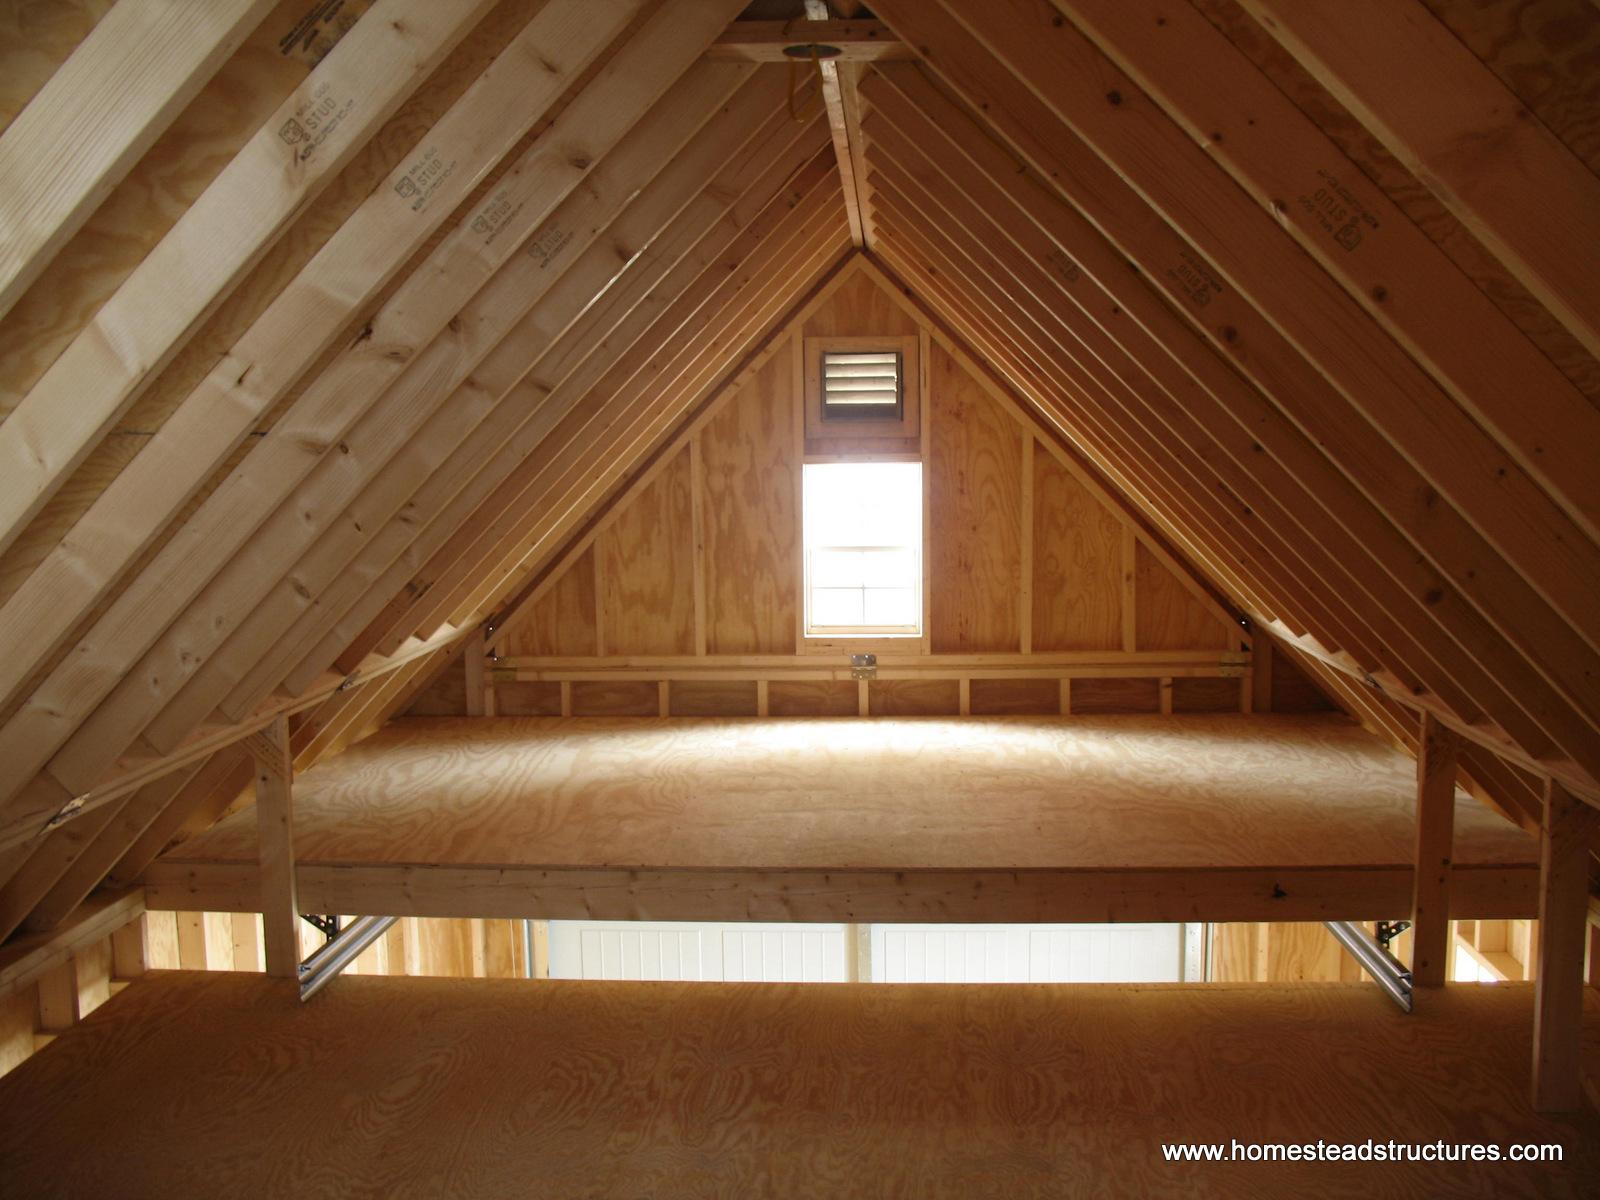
[
  {"x": 1186, "y": 791},
  {"x": 1217, "y": 817},
  {"x": 221, "y": 1084}
]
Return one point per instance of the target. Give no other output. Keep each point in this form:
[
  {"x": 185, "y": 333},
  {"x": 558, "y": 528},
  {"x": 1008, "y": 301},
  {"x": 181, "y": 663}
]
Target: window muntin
[{"x": 863, "y": 549}]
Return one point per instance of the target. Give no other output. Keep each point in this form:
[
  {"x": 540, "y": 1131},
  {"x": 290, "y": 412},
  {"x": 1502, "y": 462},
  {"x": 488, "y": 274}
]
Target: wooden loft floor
[
  {"x": 1145, "y": 818},
  {"x": 224, "y": 1084}
]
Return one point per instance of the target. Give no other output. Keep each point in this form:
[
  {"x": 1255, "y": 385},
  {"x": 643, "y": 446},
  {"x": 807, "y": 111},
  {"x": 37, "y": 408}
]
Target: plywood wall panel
[
  {"x": 1293, "y": 691},
  {"x": 446, "y": 696},
  {"x": 914, "y": 697},
  {"x": 974, "y": 477},
  {"x": 645, "y": 560},
  {"x": 858, "y": 308},
  {"x": 527, "y": 699},
  {"x": 1116, "y": 696},
  {"x": 807, "y": 698},
  {"x": 17, "y": 1026},
  {"x": 1168, "y": 615},
  {"x": 619, "y": 699},
  {"x": 1239, "y": 952},
  {"x": 713, "y": 698},
  {"x": 752, "y": 531},
  {"x": 1077, "y": 564},
  {"x": 1015, "y": 697},
  {"x": 562, "y": 623},
  {"x": 1302, "y": 952},
  {"x": 1205, "y": 695}
]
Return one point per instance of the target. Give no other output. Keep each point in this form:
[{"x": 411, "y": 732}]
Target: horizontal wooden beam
[
  {"x": 768, "y": 41},
  {"x": 1579, "y": 782},
  {"x": 1149, "y": 664},
  {"x": 25, "y": 959},
  {"x": 645, "y": 894},
  {"x": 132, "y": 776}
]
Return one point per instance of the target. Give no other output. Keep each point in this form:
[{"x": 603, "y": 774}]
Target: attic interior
[{"x": 684, "y": 597}]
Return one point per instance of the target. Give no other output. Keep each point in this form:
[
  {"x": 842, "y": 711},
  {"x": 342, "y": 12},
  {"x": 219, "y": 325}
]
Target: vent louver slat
[{"x": 857, "y": 383}]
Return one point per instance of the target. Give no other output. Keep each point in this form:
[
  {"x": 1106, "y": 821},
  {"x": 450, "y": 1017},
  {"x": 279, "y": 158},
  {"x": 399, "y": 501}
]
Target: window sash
[{"x": 875, "y": 590}]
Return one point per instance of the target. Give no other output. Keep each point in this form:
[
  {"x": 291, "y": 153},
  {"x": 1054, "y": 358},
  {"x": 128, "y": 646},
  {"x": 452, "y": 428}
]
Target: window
[{"x": 863, "y": 549}]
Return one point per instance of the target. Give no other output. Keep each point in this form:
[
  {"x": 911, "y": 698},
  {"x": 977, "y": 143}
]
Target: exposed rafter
[
  {"x": 449, "y": 296},
  {"x": 838, "y": 96}
]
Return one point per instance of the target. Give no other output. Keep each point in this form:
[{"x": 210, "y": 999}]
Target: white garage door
[
  {"x": 697, "y": 950},
  {"x": 1027, "y": 953},
  {"x": 831, "y": 953}
]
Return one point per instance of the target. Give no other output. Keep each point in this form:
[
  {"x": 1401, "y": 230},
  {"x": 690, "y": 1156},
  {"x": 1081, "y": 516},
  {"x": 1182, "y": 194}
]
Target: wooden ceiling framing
[{"x": 317, "y": 354}]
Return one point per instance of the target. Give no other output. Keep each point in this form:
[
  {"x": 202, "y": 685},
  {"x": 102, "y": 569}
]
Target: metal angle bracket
[
  {"x": 327, "y": 926},
  {"x": 1386, "y": 931}
]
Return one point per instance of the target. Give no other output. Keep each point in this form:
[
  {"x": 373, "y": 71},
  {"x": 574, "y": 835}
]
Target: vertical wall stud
[
  {"x": 280, "y": 907},
  {"x": 1565, "y": 835},
  {"x": 1436, "y": 816}
]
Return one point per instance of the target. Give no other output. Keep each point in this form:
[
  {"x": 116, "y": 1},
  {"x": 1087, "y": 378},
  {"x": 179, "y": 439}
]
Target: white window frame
[
  {"x": 905, "y": 631},
  {"x": 913, "y": 631}
]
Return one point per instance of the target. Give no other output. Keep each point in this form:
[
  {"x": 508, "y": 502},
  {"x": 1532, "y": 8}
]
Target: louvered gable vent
[{"x": 859, "y": 384}]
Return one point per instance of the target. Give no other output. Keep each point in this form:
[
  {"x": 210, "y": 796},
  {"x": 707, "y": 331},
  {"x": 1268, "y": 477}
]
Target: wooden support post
[
  {"x": 1436, "y": 823},
  {"x": 697, "y": 524},
  {"x": 246, "y": 942},
  {"x": 1130, "y": 610},
  {"x": 1567, "y": 830},
  {"x": 1025, "y": 592},
  {"x": 193, "y": 954},
  {"x": 1594, "y": 956},
  {"x": 1261, "y": 652},
  {"x": 477, "y": 677},
  {"x": 130, "y": 948},
  {"x": 58, "y": 997},
  {"x": 280, "y": 909},
  {"x": 761, "y": 698},
  {"x": 1066, "y": 697},
  {"x": 964, "y": 688}
]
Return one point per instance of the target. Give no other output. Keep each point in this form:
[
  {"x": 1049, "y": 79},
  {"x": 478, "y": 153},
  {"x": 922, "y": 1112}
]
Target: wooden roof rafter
[
  {"x": 415, "y": 423},
  {"x": 1348, "y": 472},
  {"x": 1549, "y": 718},
  {"x": 936, "y": 287},
  {"x": 838, "y": 86},
  {"x": 691, "y": 245},
  {"x": 305, "y": 317},
  {"x": 418, "y": 311},
  {"x": 452, "y": 453},
  {"x": 1486, "y": 363},
  {"x": 788, "y": 135},
  {"x": 105, "y": 106},
  {"x": 1530, "y": 218},
  {"x": 283, "y": 167},
  {"x": 745, "y": 312},
  {"x": 705, "y": 293}
]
